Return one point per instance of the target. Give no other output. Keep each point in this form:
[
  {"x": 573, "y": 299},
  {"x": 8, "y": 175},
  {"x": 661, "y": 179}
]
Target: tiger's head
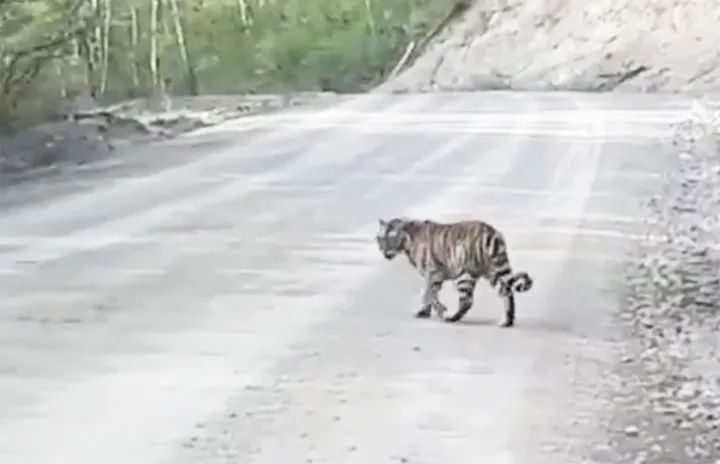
[{"x": 391, "y": 237}]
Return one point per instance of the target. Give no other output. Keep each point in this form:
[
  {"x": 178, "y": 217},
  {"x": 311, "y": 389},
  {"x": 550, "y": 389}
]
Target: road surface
[{"x": 219, "y": 298}]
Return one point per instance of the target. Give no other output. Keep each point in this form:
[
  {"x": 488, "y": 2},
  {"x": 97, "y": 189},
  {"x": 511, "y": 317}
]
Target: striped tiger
[{"x": 463, "y": 252}]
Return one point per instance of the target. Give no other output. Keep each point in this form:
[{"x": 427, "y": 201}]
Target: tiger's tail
[
  {"x": 520, "y": 282},
  {"x": 507, "y": 281}
]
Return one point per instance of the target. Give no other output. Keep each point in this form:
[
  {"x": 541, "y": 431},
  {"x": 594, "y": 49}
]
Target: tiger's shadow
[{"x": 534, "y": 325}]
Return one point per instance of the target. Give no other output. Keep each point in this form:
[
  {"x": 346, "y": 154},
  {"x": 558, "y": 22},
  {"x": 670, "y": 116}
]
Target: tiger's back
[{"x": 470, "y": 246}]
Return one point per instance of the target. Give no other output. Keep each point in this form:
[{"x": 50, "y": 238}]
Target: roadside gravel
[{"x": 672, "y": 312}]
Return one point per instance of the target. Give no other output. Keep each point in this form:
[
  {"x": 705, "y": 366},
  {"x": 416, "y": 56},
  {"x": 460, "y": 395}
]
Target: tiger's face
[{"x": 390, "y": 237}]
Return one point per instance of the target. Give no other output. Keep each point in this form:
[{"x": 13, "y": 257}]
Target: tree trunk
[
  {"x": 134, "y": 43},
  {"x": 182, "y": 47},
  {"x": 107, "y": 21},
  {"x": 89, "y": 45},
  {"x": 243, "y": 9},
  {"x": 370, "y": 17},
  {"x": 154, "y": 59},
  {"x": 86, "y": 50},
  {"x": 59, "y": 68},
  {"x": 95, "y": 46},
  {"x": 163, "y": 18}
]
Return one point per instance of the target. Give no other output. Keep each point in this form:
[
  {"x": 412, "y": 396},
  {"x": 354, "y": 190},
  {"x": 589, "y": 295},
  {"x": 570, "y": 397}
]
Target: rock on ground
[
  {"x": 639, "y": 45},
  {"x": 672, "y": 315}
]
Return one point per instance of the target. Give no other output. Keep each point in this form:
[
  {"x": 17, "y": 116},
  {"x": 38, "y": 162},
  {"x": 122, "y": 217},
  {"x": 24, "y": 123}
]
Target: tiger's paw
[
  {"x": 452, "y": 318},
  {"x": 505, "y": 323},
  {"x": 424, "y": 313}
]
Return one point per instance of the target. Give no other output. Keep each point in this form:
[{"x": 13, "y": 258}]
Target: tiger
[{"x": 462, "y": 252}]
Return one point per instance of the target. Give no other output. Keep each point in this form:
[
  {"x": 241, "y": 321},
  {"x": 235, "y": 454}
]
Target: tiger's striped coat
[{"x": 463, "y": 252}]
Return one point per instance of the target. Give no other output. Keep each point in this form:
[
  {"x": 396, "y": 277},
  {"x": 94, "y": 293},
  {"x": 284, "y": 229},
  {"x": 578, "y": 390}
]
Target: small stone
[
  {"x": 416, "y": 348},
  {"x": 632, "y": 431},
  {"x": 687, "y": 391},
  {"x": 641, "y": 458},
  {"x": 665, "y": 411},
  {"x": 684, "y": 425}
]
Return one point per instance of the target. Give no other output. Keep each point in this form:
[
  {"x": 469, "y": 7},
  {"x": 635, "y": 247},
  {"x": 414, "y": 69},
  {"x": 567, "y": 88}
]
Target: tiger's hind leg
[
  {"x": 509, "y": 318},
  {"x": 465, "y": 286},
  {"x": 505, "y": 289},
  {"x": 520, "y": 282}
]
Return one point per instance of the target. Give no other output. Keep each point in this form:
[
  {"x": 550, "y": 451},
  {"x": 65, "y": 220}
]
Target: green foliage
[
  {"x": 32, "y": 35},
  {"x": 304, "y": 44},
  {"x": 267, "y": 46}
]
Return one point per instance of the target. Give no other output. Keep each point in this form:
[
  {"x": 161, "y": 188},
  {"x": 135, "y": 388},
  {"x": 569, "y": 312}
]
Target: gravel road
[{"x": 219, "y": 298}]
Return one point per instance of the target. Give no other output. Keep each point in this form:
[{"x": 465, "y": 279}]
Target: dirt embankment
[
  {"x": 92, "y": 133},
  {"x": 640, "y": 45}
]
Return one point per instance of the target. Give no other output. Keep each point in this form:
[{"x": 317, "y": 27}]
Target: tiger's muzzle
[{"x": 387, "y": 252}]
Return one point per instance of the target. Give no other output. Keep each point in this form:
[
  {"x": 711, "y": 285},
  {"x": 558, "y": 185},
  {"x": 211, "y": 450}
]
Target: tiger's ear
[{"x": 382, "y": 223}]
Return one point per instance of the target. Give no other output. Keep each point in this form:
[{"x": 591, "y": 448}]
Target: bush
[{"x": 209, "y": 46}]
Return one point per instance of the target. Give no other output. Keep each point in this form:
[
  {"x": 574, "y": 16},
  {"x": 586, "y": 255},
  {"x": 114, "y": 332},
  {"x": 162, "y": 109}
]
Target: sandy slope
[{"x": 643, "y": 45}]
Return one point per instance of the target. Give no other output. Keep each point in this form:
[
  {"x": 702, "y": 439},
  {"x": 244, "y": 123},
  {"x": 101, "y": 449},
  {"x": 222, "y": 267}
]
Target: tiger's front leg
[
  {"x": 465, "y": 286},
  {"x": 430, "y": 299}
]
